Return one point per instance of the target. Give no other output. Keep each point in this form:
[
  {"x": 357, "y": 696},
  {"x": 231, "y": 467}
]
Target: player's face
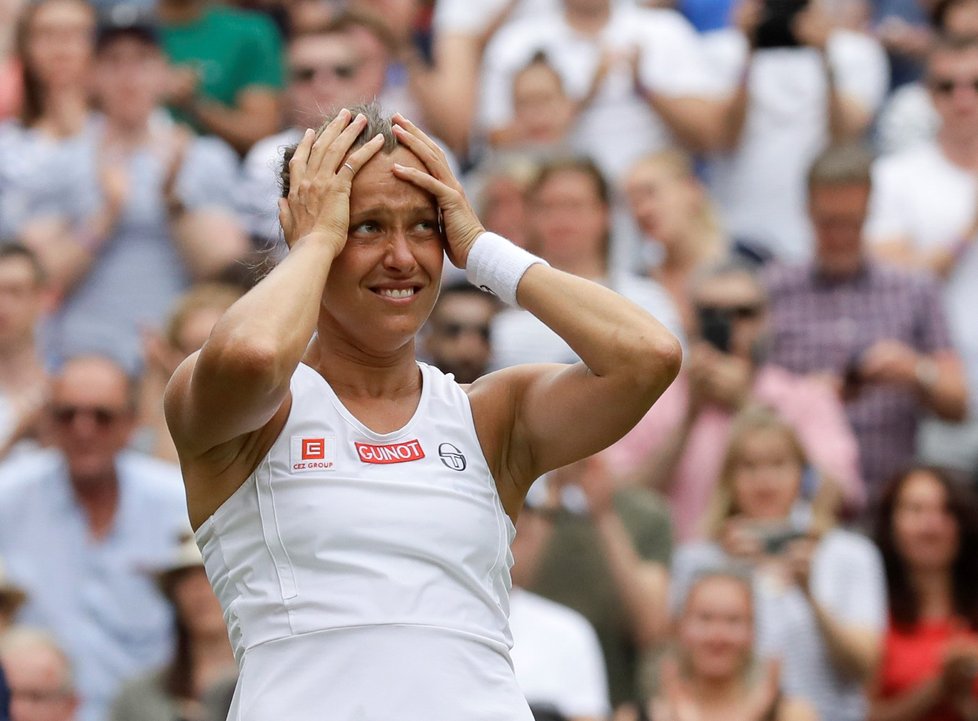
[
  {"x": 716, "y": 630},
  {"x": 383, "y": 285}
]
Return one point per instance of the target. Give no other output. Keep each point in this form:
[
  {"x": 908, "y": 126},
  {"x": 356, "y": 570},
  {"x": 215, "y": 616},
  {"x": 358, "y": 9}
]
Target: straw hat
[{"x": 186, "y": 555}]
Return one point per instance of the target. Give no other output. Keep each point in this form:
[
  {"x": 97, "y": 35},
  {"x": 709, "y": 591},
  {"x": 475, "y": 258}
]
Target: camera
[
  {"x": 716, "y": 327},
  {"x": 775, "y": 29}
]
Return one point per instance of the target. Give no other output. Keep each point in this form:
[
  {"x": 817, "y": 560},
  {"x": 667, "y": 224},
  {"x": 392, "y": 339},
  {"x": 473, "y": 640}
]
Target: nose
[{"x": 400, "y": 253}]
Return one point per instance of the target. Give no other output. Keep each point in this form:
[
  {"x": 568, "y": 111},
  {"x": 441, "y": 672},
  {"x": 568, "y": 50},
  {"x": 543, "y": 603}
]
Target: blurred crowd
[{"x": 791, "y": 186}]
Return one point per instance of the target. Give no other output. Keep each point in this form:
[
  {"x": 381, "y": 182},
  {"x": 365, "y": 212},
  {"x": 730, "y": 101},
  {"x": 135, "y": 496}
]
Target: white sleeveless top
[{"x": 365, "y": 576}]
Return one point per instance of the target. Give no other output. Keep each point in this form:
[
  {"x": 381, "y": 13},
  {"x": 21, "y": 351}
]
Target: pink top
[{"x": 809, "y": 405}]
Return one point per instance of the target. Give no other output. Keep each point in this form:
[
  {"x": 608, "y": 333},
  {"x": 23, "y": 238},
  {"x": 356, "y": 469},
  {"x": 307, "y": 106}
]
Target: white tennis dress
[{"x": 365, "y": 576}]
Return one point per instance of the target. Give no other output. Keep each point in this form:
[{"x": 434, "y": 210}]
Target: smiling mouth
[{"x": 397, "y": 293}]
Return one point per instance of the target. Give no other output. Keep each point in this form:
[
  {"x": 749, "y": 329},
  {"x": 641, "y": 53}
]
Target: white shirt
[
  {"x": 760, "y": 186},
  {"x": 618, "y": 126},
  {"x": 919, "y": 196},
  {"x": 518, "y": 336},
  {"x": 909, "y": 117},
  {"x": 557, "y": 657},
  {"x": 259, "y": 189},
  {"x": 847, "y": 580},
  {"x": 366, "y": 575}
]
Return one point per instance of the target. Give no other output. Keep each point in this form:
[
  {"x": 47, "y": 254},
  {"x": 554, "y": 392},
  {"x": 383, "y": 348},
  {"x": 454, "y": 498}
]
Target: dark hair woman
[{"x": 927, "y": 531}]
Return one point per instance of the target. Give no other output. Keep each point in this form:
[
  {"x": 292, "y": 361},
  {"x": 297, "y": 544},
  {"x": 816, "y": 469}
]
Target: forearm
[
  {"x": 845, "y": 118},
  {"x": 942, "y": 387},
  {"x": 696, "y": 123},
  {"x": 612, "y": 336},
  {"x": 912, "y": 705},
  {"x": 264, "y": 335},
  {"x": 854, "y": 652},
  {"x": 240, "y": 128},
  {"x": 642, "y": 586},
  {"x": 657, "y": 470}
]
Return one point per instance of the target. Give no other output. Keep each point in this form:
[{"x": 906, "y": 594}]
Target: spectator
[
  {"x": 459, "y": 332},
  {"x": 656, "y": 88},
  {"x": 23, "y": 379},
  {"x": 203, "y": 663},
  {"x": 55, "y": 46},
  {"x": 40, "y": 677},
  {"x": 500, "y": 195},
  {"x": 11, "y": 81},
  {"x": 12, "y": 598},
  {"x": 677, "y": 449},
  {"x": 819, "y": 590},
  {"x": 785, "y": 102},
  {"x": 556, "y": 653},
  {"x": 228, "y": 70},
  {"x": 877, "y": 335},
  {"x": 674, "y": 214},
  {"x": 171, "y": 195},
  {"x": 462, "y": 30},
  {"x": 924, "y": 215},
  {"x": 909, "y": 115},
  {"x": 713, "y": 671},
  {"x": 569, "y": 224},
  {"x": 543, "y": 114},
  {"x": 190, "y": 323},
  {"x": 80, "y": 525},
  {"x": 927, "y": 530},
  {"x": 603, "y": 552},
  {"x": 325, "y": 72}
]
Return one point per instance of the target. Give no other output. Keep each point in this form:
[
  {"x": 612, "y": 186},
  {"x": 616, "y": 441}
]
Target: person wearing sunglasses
[
  {"x": 924, "y": 216},
  {"x": 459, "y": 337},
  {"x": 677, "y": 448},
  {"x": 82, "y": 522}
]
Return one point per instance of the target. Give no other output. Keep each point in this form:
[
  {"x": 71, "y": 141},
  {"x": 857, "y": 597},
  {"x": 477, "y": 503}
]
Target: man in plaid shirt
[{"x": 876, "y": 333}]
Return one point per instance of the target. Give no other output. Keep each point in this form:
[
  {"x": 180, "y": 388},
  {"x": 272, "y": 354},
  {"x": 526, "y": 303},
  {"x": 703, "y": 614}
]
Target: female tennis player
[{"x": 354, "y": 506}]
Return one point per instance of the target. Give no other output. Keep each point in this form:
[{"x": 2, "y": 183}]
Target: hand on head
[
  {"x": 321, "y": 175},
  {"x": 462, "y": 225}
]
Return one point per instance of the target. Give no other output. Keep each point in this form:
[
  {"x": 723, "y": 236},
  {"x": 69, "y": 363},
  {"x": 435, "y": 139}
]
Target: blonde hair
[
  {"x": 205, "y": 296},
  {"x": 709, "y": 231},
  {"x": 723, "y": 503}
]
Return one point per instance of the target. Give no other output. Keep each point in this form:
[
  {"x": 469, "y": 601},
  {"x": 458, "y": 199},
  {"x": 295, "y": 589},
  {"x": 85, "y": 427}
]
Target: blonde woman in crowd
[
  {"x": 672, "y": 209},
  {"x": 820, "y": 590},
  {"x": 712, "y": 673}
]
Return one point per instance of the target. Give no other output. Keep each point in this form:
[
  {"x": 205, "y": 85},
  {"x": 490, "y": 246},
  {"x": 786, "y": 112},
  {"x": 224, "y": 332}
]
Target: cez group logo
[{"x": 312, "y": 453}]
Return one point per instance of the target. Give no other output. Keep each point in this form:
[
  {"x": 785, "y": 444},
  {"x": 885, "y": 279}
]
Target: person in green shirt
[
  {"x": 604, "y": 552},
  {"x": 228, "y": 70}
]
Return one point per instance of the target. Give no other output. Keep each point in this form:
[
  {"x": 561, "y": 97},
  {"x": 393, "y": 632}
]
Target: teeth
[{"x": 397, "y": 293}]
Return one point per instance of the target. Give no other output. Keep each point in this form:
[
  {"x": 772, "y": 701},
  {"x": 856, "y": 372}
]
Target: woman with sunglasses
[
  {"x": 927, "y": 530},
  {"x": 354, "y": 507}
]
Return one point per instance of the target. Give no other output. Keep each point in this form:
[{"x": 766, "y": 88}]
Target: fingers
[
  {"x": 422, "y": 146},
  {"x": 328, "y": 153},
  {"x": 326, "y": 139},
  {"x": 299, "y": 160},
  {"x": 357, "y": 159},
  {"x": 423, "y": 180}
]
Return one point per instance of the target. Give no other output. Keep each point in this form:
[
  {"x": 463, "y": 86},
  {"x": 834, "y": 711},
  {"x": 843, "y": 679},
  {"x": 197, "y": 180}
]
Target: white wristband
[{"x": 496, "y": 266}]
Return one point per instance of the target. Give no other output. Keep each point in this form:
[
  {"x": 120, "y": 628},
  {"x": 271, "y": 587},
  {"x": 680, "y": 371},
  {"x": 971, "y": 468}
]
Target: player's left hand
[{"x": 462, "y": 226}]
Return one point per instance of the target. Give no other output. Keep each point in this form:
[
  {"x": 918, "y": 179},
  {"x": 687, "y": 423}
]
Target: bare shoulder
[{"x": 211, "y": 475}]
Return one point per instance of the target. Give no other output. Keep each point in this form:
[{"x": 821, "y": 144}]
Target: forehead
[
  {"x": 950, "y": 61},
  {"x": 128, "y": 46},
  {"x": 63, "y": 13},
  {"x": 569, "y": 181},
  {"x": 720, "y": 591},
  {"x": 376, "y": 186},
  {"x": 91, "y": 380},
  {"x": 322, "y": 46},
  {"x": 730, "y": 287}
]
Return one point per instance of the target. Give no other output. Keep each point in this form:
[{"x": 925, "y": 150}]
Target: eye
[
  {"x": 426, "y": 226},
  {"x": 367, "y": 227}
]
